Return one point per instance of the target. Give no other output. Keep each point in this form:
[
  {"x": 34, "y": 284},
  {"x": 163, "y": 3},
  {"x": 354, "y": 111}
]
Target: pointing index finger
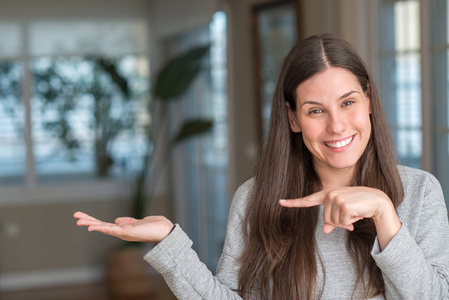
[{"x": 315, "y": 199}]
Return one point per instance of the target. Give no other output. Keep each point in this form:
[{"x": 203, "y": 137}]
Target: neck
[{"x": 335, "y": 178}]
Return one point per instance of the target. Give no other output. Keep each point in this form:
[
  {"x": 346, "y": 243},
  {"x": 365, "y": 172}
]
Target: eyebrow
[{"x": 340, "y": 98}]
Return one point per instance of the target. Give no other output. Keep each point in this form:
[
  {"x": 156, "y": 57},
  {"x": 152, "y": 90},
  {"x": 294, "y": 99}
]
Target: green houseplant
[
  {"x": 60, "y": 92},
  {"x": 173, "y": 80},
  {"x": 92, "y": 85},
  {"x": 127, "y": 273}
]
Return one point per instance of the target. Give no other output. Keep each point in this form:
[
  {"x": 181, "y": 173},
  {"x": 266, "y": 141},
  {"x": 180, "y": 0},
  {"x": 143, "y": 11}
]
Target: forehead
[{"x": 329, "y": 84}]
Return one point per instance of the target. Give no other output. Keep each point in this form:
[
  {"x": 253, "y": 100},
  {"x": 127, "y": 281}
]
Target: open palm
[{"x": 150, "y": 229}]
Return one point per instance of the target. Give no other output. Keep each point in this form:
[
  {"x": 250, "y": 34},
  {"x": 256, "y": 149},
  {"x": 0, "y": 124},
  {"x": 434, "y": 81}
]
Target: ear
[{"x": 294, "y": 125}]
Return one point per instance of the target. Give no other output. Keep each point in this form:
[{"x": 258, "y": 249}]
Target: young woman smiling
[{"x": 328, "y": 213}]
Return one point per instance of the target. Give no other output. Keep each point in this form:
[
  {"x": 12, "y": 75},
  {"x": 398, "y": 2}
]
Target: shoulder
[
  {"x": 422, "y": 191},
  {"x": 245, "y": 189},
  {"x": 415, "y": 180},
  {"x": 405, "y": 171},
  {"x": 423, "y": 203},
  {"x": 241, "y": 198}
]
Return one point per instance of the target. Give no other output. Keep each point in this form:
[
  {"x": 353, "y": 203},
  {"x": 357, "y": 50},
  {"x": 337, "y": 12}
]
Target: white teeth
[{"x": 339, "y": 144}]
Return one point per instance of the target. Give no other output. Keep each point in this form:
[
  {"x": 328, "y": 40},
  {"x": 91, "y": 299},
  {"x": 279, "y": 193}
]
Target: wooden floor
[{"x": 97, "y": 291}]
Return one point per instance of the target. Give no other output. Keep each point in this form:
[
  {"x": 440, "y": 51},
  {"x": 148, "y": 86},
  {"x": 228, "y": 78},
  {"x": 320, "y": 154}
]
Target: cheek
[
  {"x": 362, "y": 121},
  {"x": 311, "y": 131}
]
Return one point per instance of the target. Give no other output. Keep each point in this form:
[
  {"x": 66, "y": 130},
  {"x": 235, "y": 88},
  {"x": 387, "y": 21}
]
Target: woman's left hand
[{"x": 347, "y": 205}]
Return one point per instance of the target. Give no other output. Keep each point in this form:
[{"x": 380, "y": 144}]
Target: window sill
[{"x": 70, "y": 192}]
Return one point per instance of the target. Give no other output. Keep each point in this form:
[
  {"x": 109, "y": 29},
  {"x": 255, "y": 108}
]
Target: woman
[{"x": 356, "y": 225}]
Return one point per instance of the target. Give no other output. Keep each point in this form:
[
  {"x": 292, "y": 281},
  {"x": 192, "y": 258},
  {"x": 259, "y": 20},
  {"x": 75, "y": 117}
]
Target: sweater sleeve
[
  {"x": 415, "y": 265},
  {"x": 186, "y": 275}
]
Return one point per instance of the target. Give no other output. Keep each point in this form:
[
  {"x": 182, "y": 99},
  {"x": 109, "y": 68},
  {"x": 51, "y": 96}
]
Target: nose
[{"x": 336, "y": 123}]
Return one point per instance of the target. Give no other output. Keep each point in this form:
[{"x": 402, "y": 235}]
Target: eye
[
  {"x": 348, "y": 103},
  {"x": 315, "y": 111}
]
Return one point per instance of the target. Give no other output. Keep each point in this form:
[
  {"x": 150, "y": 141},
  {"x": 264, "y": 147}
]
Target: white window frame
[
  {"x": 29, "y": 191},
  {"x": 428, "y": 97}
]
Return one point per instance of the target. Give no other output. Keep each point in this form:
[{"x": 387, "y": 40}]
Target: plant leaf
[
  {"x": 178, "y": 73},
  {"x": 110, "y": 68},
  {"x": 192, "y": 128}
]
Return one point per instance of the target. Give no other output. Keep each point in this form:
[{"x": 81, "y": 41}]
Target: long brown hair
[{"x": 279, "y": 259}]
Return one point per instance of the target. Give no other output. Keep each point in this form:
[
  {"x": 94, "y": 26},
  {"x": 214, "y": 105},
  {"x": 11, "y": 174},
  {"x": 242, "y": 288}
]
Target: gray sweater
[{"x": 414, "y": 265}]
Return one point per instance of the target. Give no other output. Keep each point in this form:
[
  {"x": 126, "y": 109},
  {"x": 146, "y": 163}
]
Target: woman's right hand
[{"x": 150, "y": 229}]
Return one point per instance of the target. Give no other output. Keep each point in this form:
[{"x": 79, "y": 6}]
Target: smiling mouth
[{"x": 339, "y": 144}]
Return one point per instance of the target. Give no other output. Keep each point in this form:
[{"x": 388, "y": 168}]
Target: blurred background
[{"x": 84, "y": 127}]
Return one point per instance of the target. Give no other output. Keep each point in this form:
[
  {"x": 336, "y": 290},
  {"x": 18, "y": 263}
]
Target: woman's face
[{"x": 333, "y": 115}]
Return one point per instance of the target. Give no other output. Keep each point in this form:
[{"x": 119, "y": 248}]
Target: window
[
  {"x": 83, "y": 123},
  {"x": 401, "y": 77},
  {"x": 12, "y": 122},
  {"x": 73, "y": 100},
  {"x": 275, "y": 34},
  {"x": 199, "y": 165},
  {"x": 414, "y": 46},
  {"x": 73, "y": 107},
  {"x": 439, "y": 50}
]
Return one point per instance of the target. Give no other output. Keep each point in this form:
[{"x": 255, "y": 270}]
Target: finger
[
  {"x": 87, "y": 222},
  {"x": 349, "y": 227},
  {"x": 81, "y": 215},
  {"x": 309, "y": 201},
  {"x": 347, "y": 218},
  {"x": 327, "y": 228},
  {"x": 327, "y": 213},
  {"x": 124, "y": 220},
  {"x": 335, "y": 213}
]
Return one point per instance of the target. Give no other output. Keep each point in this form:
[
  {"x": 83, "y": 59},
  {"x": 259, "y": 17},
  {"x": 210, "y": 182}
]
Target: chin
[{"x": 340, "y": 166}]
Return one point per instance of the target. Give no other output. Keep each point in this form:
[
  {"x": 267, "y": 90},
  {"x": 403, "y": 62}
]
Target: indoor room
[{"x": 162, "y": 107}]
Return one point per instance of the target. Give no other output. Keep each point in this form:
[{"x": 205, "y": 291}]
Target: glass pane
[
  {"x": 84, "y": 121},
  {"x": 276, "y": 36},
  {"x": 12, "y": 151},
  {"x": 410, "y": 147},
  {"x": 406, "y": 14},
  {"x": 401, "y": 76},
  {"x": 408, "y": 90},
  {"x": 408, "y": 111},
  {"x": 10, "y": 39},
  {"x": 199, "y": 164},
  {"x": 216, "y": 151}
]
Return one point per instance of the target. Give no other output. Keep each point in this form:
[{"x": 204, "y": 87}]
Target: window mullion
[
  {"x": 426, "y": 89},
  {"x": 26, "y": 94}
]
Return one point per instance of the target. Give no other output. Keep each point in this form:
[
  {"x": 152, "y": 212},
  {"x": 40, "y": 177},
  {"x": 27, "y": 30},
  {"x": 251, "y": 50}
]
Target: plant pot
[{"x": 128, "y": 275}]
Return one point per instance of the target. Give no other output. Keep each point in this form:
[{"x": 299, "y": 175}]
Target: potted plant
[{"x": 128, "y": 274}]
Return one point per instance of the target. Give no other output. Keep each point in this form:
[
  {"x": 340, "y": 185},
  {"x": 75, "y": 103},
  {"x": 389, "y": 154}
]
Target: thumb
[
  {"x": 124, "y": 220},
  {"x": 327, "y": 228}
]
